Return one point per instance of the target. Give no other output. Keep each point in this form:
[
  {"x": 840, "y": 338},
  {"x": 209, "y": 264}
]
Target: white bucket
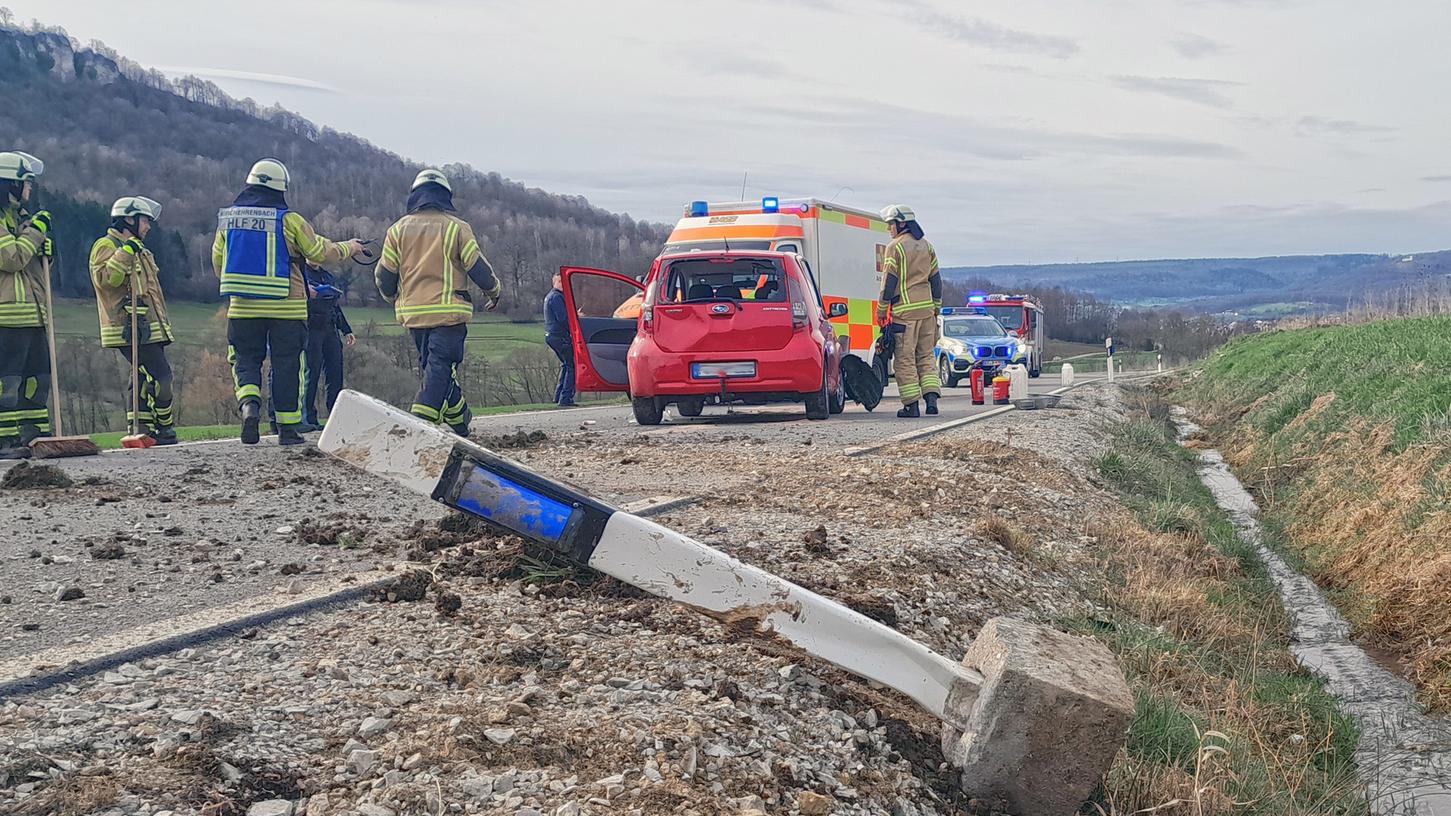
[
  {"x": 1017, "y": 382},
  {"x": 1067, "y": 375}
]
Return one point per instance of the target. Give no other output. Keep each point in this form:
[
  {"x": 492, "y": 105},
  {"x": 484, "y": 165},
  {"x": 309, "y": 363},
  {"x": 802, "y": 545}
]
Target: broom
[
  {"x": 136, "y": 439},
  {"x": 58, "y": 446}
]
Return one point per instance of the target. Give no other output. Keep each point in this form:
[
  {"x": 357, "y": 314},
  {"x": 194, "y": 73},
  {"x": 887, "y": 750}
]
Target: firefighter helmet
[
  {"x": 898, "y": 212},
  {"x": 136, "y": 205},
  {"x": 17, "y": 166},
  {"x": 429, "y": 175},
  {"x": 269, "y": 173}
]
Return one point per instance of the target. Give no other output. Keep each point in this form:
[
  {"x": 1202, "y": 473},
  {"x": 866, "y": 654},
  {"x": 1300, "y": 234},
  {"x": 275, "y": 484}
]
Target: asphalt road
[{"x": 784, "y": 423}]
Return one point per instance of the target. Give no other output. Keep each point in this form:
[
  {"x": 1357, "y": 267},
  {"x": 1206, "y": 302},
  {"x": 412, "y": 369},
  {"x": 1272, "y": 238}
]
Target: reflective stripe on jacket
[
  {"x": 431, "y": 252},
  {"x": 22, "y": 278},
  {"x": 112, "y": 264},
  {"x": 302, "y": 243},
  {"x": 910, "y": 280}
]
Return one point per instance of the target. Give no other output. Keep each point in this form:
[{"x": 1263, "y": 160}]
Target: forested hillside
[{"x": 106, "y": 127}]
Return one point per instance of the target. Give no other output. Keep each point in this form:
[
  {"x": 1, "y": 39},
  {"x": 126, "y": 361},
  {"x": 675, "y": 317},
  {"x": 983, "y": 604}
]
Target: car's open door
[{"x": 601, "y": 340}]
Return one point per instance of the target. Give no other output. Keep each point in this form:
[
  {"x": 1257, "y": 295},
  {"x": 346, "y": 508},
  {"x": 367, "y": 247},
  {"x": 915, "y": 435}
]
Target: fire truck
[{"x": 1023, "y": 319}]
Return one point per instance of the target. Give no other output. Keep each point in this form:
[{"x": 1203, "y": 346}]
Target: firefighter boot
[
  {"x": 288, "y": 435},
  {"x": 909, "y": 411},
  {"x": 165, "y": 435},
  {"x": 251, "y": 422},
  {"x": 931, "y": 404},
  {"x": 462, "y": 426},
  {"x": 10, "y": 448}
]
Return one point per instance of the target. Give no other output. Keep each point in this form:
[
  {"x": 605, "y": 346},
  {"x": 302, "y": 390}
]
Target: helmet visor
[{"x": 31, "y": 167}]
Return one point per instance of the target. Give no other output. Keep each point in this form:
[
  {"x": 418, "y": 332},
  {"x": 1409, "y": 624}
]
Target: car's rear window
[{"x": 708, "y": 279}]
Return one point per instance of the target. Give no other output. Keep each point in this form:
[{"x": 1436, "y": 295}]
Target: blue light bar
[
  {"x": 699, "y": 208},
  {"x": 948, "y": 311},
  {"x": 770, "y": 204},
  {"x": 977, "y": 298}
]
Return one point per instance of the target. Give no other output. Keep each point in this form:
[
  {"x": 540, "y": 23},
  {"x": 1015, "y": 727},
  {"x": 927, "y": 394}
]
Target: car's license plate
[{"x": 714, "y": 371}]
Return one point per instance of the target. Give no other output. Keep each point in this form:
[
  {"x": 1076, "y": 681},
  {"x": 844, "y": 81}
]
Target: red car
[{"x": 714, "y": 327}]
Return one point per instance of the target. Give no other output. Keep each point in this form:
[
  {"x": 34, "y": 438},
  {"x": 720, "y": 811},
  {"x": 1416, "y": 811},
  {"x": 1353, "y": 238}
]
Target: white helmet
[
  {"x": 270, "y": 173},
  {"x": 898, "y": 212},
  {"x": 136, "y": 205},
  {"x": 17, "y": 166},
  {"x": 428, "y": 175}
]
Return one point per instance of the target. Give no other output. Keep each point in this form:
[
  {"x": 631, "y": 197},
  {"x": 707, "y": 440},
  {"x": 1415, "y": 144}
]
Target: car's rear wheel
[
  {"x": 691, "y": 406},
  {"x": 818, "y": 404},
  {"x": 837, "y": 402},
  {"x": 648, "y": 410}
]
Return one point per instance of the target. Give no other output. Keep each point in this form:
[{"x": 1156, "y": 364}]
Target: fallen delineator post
[{"x": 1031, "y": 716}]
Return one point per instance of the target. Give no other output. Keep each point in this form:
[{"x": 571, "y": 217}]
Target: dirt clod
[
  {"x": 447, "y": 603},
  {"x": 108, "y": 550},
  {"x": 816, "y": 542},
  {"x": 29, "y": 476},
  {"x": 518, "y": 439},
  {"x": 411, "y": 586}
]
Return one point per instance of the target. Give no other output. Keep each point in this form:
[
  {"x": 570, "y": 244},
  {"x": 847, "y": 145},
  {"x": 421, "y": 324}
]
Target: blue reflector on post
[
  {"x": 770, "y": 204},
  {"x": 513, "y": 506},
  {"x": 699, "y": 208}
]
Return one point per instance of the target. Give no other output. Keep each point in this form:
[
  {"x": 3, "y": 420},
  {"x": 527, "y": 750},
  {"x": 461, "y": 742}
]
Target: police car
[{"x": 972, "y": 339}]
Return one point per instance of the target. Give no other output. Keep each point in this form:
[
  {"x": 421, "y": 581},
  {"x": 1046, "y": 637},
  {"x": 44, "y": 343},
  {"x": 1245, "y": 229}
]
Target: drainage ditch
[{"x": 1404, "y": 756}]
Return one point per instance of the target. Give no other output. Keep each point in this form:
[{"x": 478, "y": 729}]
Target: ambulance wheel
[
  {"x": 690, "y": 406},
  {"x": 837, "y": 400},
  {"x": 818, "y": 404},
  {"x": 648, "y": 410},
  {"x": 944, "y": 373}
]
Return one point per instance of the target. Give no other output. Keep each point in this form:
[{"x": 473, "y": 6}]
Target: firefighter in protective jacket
[
  {"x": 258, "y": 254},
  {"x": 429, "y": 256},
  {"x": 24, "y": 355},
  {"x": 126, "y": 278},
  {"x": 909, "y": 304}
]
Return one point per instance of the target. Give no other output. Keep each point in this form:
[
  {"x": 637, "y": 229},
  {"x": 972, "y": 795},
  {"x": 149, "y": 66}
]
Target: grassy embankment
[
  {"x": 1226, "y": 720},
  {"x": 1345, "y": 435}
]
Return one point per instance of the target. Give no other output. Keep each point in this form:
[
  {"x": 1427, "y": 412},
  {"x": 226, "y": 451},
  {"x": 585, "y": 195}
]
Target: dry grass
[{"x": 1008, "y": 535}]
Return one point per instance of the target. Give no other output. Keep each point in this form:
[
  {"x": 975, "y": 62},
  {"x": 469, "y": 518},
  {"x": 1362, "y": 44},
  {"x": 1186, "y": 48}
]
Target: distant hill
[
  {"x": 106, "y": 127},
  {"x": 1275, "y": 285}
]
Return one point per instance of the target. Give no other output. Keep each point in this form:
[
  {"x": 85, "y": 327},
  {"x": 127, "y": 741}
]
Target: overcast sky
[{"x": 1020, "y": 130}]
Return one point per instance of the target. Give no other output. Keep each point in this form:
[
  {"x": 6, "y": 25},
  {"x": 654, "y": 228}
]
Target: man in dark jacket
[
  {"x": 558, "y": 337},
  {"x": 325, "y": 323}
]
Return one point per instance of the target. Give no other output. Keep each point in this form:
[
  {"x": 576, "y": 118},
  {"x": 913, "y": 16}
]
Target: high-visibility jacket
[
  {"x": 911, "y": 284},
  {"x": 302, "y": 243},
  {"x": 22, "y": 278},
  {"x": 117, "y": 271},
  {"x": 432, "y": 255}
]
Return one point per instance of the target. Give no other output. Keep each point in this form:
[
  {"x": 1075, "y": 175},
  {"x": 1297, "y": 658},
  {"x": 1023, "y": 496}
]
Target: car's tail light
[{"x": 798, "y": 314}]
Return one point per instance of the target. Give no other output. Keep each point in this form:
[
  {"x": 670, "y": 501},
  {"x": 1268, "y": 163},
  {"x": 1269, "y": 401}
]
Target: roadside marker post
[{"x": 1030, "y": 715}]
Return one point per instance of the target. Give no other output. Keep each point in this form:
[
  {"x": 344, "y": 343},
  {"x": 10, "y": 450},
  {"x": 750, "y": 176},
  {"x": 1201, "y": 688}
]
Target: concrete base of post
[{"x": 1051, "y": 716}]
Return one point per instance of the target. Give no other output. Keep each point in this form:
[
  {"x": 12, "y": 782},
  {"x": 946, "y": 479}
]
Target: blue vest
[{"x": 255, "y": 262}]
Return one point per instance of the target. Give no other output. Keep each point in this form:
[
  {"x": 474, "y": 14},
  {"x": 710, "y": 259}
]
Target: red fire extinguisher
[
  {"x": 1001, "y": 389},
  {"x": 979, "y": 395}
]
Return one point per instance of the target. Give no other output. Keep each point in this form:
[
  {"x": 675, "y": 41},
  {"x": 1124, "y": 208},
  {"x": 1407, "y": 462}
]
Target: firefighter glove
[
  {"x": 41, "y": 221},
  {"x": 47, "y": 249},
  {"x": 491, "y": 304}
]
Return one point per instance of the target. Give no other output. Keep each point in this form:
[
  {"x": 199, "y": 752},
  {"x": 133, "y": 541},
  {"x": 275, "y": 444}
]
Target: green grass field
[{"x": 490, "y": 337}]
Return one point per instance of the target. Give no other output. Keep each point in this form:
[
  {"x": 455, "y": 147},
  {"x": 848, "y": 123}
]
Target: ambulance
[{"x": 842, "y": 248}]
